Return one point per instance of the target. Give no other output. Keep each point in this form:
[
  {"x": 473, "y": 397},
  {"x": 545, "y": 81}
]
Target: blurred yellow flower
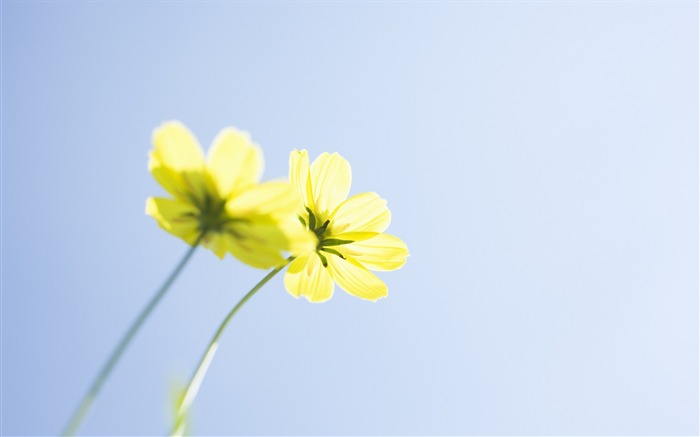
[
  {"x": 218, "y": 201},
  {"x": 349, "y": 238}
]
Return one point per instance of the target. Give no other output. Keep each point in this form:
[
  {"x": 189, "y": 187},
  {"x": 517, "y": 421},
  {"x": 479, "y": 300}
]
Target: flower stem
[
  {"x": 198, "y": 376},
  {"x": 90, "y": 396}
]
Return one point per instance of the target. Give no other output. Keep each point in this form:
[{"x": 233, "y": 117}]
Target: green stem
[
  {"x": 198, "y": 376},
  {"x": 91, "y": 394}
]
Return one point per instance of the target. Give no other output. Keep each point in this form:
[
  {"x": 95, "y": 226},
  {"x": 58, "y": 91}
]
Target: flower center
[
  {"x": 212, "y": 216},
  {"x": 325, "y": 240}
]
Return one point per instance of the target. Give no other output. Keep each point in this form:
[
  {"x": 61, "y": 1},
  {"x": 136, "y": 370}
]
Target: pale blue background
[{"x": 540, "y": 160}]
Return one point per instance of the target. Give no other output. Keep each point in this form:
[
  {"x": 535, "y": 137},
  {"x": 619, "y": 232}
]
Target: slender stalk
[
  {"x": 91, "y": 394},
  {"x": 201, "y": 371}
]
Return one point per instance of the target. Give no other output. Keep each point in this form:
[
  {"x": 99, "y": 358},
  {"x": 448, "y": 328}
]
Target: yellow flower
[
  {"x": 349, "y": 238},
  {"x": 218, "y": 201}
]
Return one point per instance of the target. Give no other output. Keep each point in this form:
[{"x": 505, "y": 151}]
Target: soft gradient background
[{"x": 540, "y": 159}]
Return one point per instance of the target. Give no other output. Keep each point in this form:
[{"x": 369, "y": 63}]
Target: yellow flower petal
[
  {"x": 274, "y": 204},
  {"x": 355, "y": 279},
  {"x": 365, "y": 212},
  {"x": 176, "y": 148},
  {"x": 307, "y": 277},
  {"x": 382, "y": 252},
  {"x": 255, "y": 254},
  {"x": 277, "y": 198},
  {"x": 177, "y": 162},
  {"x": 168, "y": 179},
  {"x": 257, "y": 243},
  {"x": 217, "y": 242},
  {"x": 174, "y": 216},
  {"x": 331, "y": 178},
  {"x": 299, "y": 239},
  {"x": 299, "y": 177},
  {"x": 234, "y": 162},
  {"x": 355, "y": 236}
]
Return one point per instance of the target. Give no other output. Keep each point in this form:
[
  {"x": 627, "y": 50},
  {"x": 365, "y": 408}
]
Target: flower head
[
  {"x": 218, "y": 200},
  {"x": 349, "y": 233}
]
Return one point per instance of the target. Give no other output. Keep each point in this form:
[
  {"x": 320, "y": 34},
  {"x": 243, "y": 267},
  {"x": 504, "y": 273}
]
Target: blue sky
[{"x": 539, "y": 158}]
